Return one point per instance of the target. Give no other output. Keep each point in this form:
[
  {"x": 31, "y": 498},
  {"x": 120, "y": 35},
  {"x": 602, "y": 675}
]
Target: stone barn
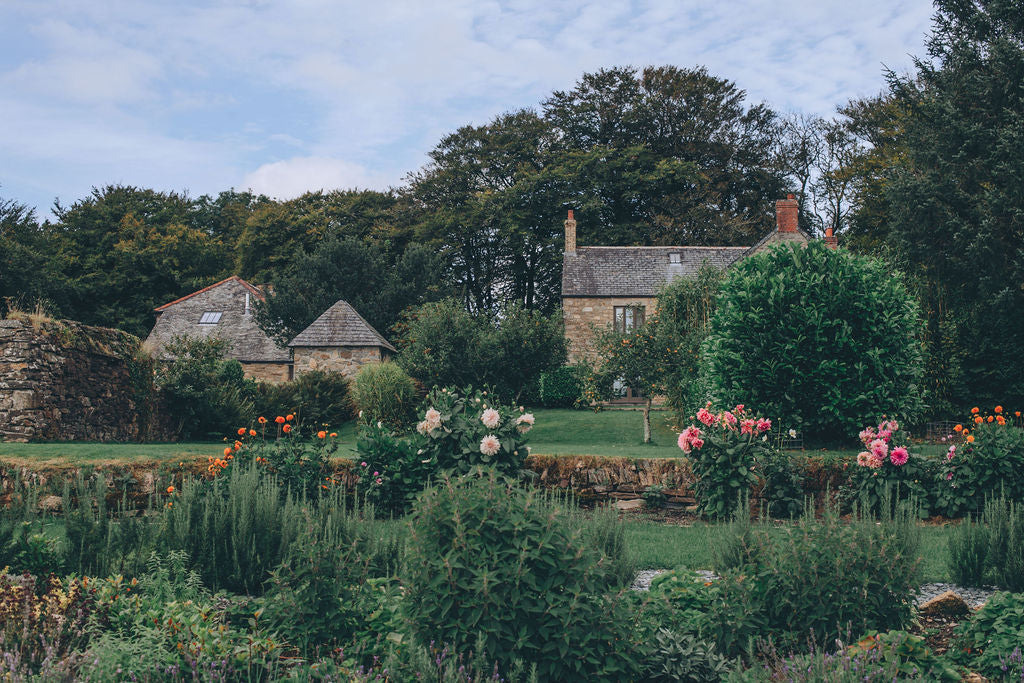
[
  {"x": 224, "y": 310},
  {"x": 340, "y": 340}
]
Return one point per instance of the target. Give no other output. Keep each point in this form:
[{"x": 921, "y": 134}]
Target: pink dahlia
[
  {"x": 706, "y": 417},
  {"x": 423, "y": 427},
  {"x": 524, "y": 422},
  {"x": 879, "y": 448},
  {"x": 729, "y": 419},
  {"x": 764, "y": 425},
  {"x": 490, "y": 418},
  {"x": 899, "y": 456},
  {"x": 951, "y": 453},
  {"x": 433, "y": 416},
  {"x": 874, "y": 461},
  {"x": 489, "y": 445},
  {"x": 863, "y": 459},
  {"x": 747, "y": 426}
]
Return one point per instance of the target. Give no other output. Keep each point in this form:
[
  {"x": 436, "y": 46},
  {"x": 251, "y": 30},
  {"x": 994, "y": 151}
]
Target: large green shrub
[
  {"x": 561, "y": 387},
  {"x": 820, "y": 338},
  {"x": 204, "y": 394},
  {"x": 384, "y": 392},
  {"x": 442, "y": 344},
  {"x": 316, "y": 398},
  {"x": 827, "y": 575},
  {"x": 491, "y": 561}
]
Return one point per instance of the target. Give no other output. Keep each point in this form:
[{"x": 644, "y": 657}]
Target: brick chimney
[
  {"x": 786, "y": 214},
  {"x": 831, "y": 241},
  {"x": 570, "y": 234}
]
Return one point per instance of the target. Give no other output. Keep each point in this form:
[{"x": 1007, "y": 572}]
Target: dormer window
[
  {"x": 674, "y": 258},
  {"x": 210, "y": 318}
]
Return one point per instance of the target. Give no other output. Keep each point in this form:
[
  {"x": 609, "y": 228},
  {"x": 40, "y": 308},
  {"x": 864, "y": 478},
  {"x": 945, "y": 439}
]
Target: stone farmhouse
[
  {"x": 615, "y": 287},
  {"x": 340, "y": 340}
]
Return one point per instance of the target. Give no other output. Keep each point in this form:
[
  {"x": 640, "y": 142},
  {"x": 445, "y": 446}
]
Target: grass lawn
[
  {"x": 557, "y": 432},
  {"x": 663, "y": 546}
]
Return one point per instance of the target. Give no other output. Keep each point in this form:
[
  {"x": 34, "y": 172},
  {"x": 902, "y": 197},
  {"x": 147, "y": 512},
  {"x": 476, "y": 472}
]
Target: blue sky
[{"x": 288, "y": 96}]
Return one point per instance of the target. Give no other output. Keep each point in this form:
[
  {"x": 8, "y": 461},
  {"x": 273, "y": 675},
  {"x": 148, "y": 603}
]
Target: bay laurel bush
[
  {"x": 992, "y": 638},
  {"x": 823, "y": 339},
  {"x": 492, "y": 563},
  {"x": 460, "y": 430},
  {"x": 723, "y": 453},
  {"x": 985, "y": 459},
  {"x": 829, "y": 575},
  {"x": 384, "y": 392}
]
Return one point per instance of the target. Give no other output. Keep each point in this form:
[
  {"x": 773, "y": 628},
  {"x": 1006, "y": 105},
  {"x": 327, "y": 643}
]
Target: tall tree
[{"x": 24, "y": 277}]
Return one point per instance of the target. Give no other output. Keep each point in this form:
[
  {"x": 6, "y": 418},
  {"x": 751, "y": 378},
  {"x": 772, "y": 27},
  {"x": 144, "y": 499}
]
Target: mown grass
[
  {"x": 557, "y": 432},
  {"x": 665, "y": 546}
]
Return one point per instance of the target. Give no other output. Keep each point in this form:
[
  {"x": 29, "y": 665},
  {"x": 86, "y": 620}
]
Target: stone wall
[
  {"x": 64, "y": 381},
  {"x": 344, "y": 359},
  {"x": 583, "y": 315},
  {"x": 274, "y": 373}
]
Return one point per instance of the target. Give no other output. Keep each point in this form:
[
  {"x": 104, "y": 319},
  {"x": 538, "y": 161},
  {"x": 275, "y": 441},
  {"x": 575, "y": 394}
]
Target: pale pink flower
[
  {"x": 433, "y": 416},
  {"x": 867, "y": 436},
  {"x": 863, "y": 459},
  {"x": 689, "y": 438},
  {"x": 764, "y": 425},
  {"x": 490, "y": 418},
  {"x": 524, "y": 422},
  {"x": 879, "y": 448},
  {"x": 684, "y": 442},
  {"x": 423, "y": 427},
  {"x": 489, "y": 445},
  {"x": 951, "y": 453},
  {"x": 899, "y": 456}
]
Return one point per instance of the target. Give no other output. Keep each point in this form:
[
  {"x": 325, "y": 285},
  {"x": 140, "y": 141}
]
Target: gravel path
[{"x": 975, "y": 597}]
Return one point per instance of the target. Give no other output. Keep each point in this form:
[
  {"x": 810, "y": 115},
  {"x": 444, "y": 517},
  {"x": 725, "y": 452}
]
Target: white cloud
[{"x": 292, "y": 177}]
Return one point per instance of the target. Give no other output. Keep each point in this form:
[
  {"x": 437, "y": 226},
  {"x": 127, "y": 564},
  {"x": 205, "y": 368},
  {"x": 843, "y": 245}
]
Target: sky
[{"x": 286, "y": 96}]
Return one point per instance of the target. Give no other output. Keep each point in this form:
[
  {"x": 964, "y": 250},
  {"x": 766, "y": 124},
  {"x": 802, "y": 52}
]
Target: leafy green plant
[
  {"x": 299, "y": 459},
  {"x": 783, "y": 485},
  {"x": 682, "y": 658},
  {"x": 989, "y": 548},
  {"x": 886, "y": 470},
  {"x": 461, "y": 430},
  {"x": 781, "y": 308},
  {"x": 906, "y": 654},
  {"x": 392, "y": 469},
  {"x": 827, "y": 575},
  {"x": 561, "y": 387},
  {"x": 384, "y": 392},
  {"x": 992, "y": 638},
  {"x": 654, "y": 496},
  {"x": 968, "y": 552},
  {"x": 723, "y": 456},
  {"x": 203, "y": 393},
  {"x": 986, "y": 459},
  {"x": 493, "y": 561}
]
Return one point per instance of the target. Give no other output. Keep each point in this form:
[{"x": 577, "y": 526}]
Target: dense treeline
[{"x": 927, "y": 175}]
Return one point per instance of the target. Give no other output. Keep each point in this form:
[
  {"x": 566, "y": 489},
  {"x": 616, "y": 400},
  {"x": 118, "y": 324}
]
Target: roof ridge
[
  {"x": 307, "y": 337},
  {"x": 657, "y": 247},
  {"x": 207, "y": 288}
]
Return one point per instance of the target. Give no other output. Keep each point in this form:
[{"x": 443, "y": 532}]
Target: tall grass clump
[
  {"x": 989, "y": 549},
  {"x": 384, "y": 392}
]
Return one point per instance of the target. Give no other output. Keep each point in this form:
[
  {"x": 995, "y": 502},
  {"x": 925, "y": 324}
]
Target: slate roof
[
  {"x": 246, "y": 342},
  {"x": 636, "y": 271},
  {"x": 340, "y": 325}
]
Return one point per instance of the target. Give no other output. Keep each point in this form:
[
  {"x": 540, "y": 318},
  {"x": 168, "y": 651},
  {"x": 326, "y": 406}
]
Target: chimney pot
[
  {"x": 831, "y": 241},
  {"x": 786, "y": 214},
  {"x": 570, "y": 214}
]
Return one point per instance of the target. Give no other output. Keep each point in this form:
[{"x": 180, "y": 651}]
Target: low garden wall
[
  {"x": 591, "y": 479},
  {"x": 64, "y": 381}
]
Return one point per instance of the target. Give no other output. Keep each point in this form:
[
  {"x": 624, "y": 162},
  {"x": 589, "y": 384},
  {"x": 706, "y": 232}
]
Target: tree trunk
[{"x": 647, "y": 421}]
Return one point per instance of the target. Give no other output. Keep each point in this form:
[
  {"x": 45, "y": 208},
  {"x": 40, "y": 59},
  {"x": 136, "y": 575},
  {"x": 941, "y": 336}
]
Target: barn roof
[{"x": 340, "y": 325}]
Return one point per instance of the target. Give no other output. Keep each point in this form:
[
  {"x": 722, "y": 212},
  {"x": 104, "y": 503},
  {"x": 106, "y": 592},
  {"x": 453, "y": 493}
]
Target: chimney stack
[
  {"x": 570, "y": 234},
  {"x": 786, "y": 211},
  {"x": 831, "y": 241}
]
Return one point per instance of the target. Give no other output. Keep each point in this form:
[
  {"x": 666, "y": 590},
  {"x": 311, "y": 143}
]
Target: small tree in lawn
[{"x": 639, "y": 359}]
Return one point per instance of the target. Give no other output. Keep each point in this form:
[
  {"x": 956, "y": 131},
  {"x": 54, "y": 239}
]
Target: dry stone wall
[{"x": 64, "y": 381}]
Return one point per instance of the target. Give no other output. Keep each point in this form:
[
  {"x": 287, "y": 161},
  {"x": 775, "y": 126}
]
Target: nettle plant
[
  {"x": 723, "y": 456},
  {"x": 472, "y": 428},
  {"x": 985, "y": 459}
]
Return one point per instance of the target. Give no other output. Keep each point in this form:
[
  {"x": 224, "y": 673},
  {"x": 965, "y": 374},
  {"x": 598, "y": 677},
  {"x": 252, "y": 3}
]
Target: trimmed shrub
[
  {"x": 493, "y": 562},
  {"x": 384, "y": 392},
  {"x": 821, "y": 338},
  {"x": 561, "y": 387}
]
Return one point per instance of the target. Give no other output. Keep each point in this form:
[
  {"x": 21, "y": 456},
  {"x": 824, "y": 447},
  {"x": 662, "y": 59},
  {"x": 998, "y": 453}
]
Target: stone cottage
[
  {"x": 615, "y": 287},
  {"x": 340, "y": 340},
  {"x": 224, "y": 310}
]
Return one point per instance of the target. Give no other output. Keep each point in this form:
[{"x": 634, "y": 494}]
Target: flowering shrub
[
  {"x": 723, "y": 453},
  {"x": 463, "y": 430},
  {"x": 277, "y": 446},
  {"x": 392, "y": 469},
  {"x": 985, "y": 459},
  {"x": 885, "y": 469}
]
